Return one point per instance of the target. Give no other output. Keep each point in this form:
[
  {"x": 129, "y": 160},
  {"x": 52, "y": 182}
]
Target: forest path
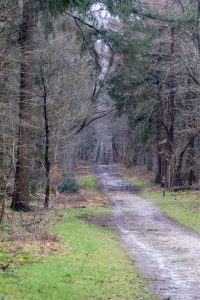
[{"x": 167, "y": 253}]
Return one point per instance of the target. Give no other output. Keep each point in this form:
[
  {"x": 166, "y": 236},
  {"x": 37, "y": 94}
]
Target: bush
[
  {"x": 68, "y": 185},
  {"x": 89, "y": 182}
]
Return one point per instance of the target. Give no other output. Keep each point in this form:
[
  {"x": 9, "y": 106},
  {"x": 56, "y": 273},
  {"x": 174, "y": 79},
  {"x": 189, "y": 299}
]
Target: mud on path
[{"x": 166, "y": 253}]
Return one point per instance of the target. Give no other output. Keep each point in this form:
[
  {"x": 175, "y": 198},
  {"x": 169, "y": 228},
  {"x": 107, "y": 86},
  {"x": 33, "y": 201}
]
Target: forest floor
[
  {"x": 167, "y": 252},
  {"x": 70, "y": 251}
]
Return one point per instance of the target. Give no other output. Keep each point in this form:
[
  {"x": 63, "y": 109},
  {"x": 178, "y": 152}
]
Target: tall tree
[
  {"x": 21, "y": 196},
  {"x": 20, "y": 199}
]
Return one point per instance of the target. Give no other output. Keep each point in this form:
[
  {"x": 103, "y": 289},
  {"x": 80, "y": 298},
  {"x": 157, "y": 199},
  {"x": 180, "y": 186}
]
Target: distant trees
[
  {"x": 9, "y": 55},
  {"x": 156, "y": 86},
  {"x": 50, "y": 86},
  {"x": 34, "y": 67}
]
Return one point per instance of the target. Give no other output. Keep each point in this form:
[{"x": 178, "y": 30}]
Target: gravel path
[{"x": 166, "y": 253}]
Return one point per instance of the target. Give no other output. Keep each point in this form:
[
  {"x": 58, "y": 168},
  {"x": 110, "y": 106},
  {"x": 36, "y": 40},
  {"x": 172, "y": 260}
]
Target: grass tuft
[
  {"x": 89, "y": 182},
  {"x": 141, "y": 183}
]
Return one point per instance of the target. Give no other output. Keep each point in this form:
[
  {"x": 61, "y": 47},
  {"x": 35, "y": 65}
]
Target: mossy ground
[{"x": 89, "y": 182}]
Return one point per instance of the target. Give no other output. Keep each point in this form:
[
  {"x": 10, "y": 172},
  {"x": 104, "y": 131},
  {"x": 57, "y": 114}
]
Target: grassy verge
[
  {"x": 62, "y": 254},
  {"x": 184, "y": 207},
  {"x": 141, "y": 183},
  {"x": 90, "y": 265}
]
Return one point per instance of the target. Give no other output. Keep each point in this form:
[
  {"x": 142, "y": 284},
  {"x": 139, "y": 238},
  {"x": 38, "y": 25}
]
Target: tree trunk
[
  {"x": 46, "y": 122},
  {"x": 198, "y": 26},
  {"x": 191, "y": 154},
  {"x": 191, "y": 163},
  {"x": 170, "y": 117},
  {"x": 158, "y": 177},
  {"x": 177, "y": 181},
  {"x": 115, "y": 151},
  {"x": 20, "y": 199},
  {"x": 149, "y": 161}
]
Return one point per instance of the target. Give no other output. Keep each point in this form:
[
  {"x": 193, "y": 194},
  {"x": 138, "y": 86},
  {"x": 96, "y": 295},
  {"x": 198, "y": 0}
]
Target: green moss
[
  {"x": 89, "y": 182},
  {"x": 93, "y": 267}
]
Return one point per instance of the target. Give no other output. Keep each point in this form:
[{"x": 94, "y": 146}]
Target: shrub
[{"x": 68, "y": 185}]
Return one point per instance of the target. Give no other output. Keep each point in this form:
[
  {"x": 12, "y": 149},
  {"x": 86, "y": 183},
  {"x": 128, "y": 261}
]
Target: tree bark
[
  {"x": 20, "y": 199},
  {"x": 177, "y": 181},
  {"x": 46, "y": 122},
  {"x": 191, "y": 163},
  {"x": 170, "y": 116},
  {"x": 158, "y": 177},
  {"x": 159, "y": 115},
  {"x": 177, "y": 177}
]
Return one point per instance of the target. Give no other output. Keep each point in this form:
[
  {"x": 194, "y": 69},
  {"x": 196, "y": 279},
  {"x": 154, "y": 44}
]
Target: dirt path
[{"x": 165, "y": 252}]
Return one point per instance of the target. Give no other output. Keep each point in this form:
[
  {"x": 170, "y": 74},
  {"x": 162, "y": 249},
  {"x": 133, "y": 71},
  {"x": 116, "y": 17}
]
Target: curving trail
[{"x": 166, "y": 253}]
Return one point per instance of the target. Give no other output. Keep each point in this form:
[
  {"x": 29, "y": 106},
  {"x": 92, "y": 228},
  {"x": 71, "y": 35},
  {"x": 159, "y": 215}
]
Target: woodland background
[{"x": 100, "y": 82}]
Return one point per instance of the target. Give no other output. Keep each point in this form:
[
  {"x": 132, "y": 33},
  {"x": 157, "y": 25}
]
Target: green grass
[
  {"x": 141, "y": 183},
  {"x": 94, "y": 266},
  {"x": 184, "y": 207},
  {"x": 89, "y": 182}
]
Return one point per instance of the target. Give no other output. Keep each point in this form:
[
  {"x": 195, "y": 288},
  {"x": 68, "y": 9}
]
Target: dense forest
[
  {"x": 104, "y": 82},
  {"x": 99, "y": 149}
]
